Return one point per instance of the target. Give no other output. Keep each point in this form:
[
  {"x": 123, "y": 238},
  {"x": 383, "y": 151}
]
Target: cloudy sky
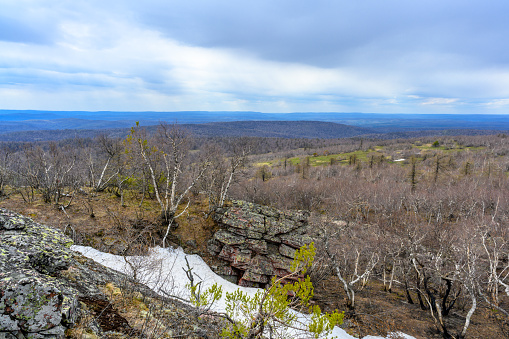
[{"x": 265, "y": 55}]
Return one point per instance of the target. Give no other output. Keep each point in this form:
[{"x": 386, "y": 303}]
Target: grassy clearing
[
  {"x": 324, "y": 160},
  {"x": 448, "y": 148},
  {"x": 375, "y": 154}
]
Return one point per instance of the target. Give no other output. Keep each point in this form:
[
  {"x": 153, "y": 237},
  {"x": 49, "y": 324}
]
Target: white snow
[
  {"x": 163, "y": 271},
  {"x": 399, "y": 160}
]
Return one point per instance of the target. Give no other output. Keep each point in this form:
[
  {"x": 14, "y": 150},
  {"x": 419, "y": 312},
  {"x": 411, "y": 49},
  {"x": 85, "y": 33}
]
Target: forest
[{"x": 412, "y": 234}]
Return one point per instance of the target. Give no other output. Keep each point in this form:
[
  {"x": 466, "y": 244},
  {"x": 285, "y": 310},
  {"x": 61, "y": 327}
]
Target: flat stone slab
[
  {"x": 296, "y": 240},
  {"x": 258, "y": 246},
  {"x": 255, "y": 277},
  {"x": 287, "y": 251},
  {"x": 239, "y": 218},
  {"x": 281, "y": 226},
  {"x": 229, "y": 238},
  {"x": 261, "y": 265}
]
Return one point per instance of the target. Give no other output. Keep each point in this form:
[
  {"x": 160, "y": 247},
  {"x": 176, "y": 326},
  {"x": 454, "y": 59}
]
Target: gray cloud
[
  {"x": 290, "y": 55},
  {"x": 331, "y": 33}
]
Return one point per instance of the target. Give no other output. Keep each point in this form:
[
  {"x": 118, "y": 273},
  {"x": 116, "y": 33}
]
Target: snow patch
[{"x": 163, "y": 271}]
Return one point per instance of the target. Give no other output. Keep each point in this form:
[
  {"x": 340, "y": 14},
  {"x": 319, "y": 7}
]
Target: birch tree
[
  {"x": 351, "y": 256},
  {"x": 109, "y": 150},
  {"x": 164, "y": 156},
  {"x": 224, "y": 170}
]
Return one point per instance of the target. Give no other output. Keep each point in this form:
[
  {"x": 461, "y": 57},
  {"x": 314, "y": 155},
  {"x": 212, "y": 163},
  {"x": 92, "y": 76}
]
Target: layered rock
[{"x": 257, "y": 242}]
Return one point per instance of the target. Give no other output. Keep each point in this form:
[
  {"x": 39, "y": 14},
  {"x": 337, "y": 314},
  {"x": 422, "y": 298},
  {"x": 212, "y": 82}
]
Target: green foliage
[
  {"x": 303, "y": 259},
  {"x": 271, "y": 308},
  {"x": 324, "y": 323},
  {"x": 435, "y": 144},
  {"x": 207, "y": 298},
  {"x": 264, "y": 173}
]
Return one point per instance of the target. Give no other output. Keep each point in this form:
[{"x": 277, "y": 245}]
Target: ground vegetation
[{"x": 405, "y": 225}]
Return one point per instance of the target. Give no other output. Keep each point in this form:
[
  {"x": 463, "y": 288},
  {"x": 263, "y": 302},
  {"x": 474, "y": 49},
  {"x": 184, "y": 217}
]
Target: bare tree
[
  {"x": 350, "y": 255},
  {"x": 141, "y": 149},
  {"x": 50, "y": 171},
  {"x": 175, "y": 148},
  {"x": 164, "y": 157},
  {"x": 226, "y": 165},
  {"x": 5, "y": 171},
  {"x": 110, "y": 149},
  {"x": 495, "y": 244},
  {"x": 237, "y": 160}
]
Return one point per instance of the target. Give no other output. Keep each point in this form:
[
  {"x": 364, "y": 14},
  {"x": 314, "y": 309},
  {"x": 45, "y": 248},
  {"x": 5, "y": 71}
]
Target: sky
[{"x": 269, "y": 56}]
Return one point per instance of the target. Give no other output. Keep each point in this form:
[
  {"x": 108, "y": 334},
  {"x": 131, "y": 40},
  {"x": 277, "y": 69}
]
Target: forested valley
[{"x": 412, "y": 234}]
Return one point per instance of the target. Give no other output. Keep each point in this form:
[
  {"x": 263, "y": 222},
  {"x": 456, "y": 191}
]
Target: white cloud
[
  {"x": 497, "y": 103},
  {"x": 439, "y": 101},
  {"x": 112, "y": 57},
  {"x": 141, "y": 63}
]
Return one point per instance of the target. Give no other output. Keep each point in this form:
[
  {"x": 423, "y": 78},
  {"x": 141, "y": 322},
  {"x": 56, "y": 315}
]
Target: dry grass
[
  {"x": 97, "y": 219},
  {"x": 379, "y": 312}
]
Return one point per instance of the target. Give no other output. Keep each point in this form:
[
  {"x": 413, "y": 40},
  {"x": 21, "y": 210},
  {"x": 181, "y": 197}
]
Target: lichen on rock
[
  {"x": 256, "y": 242},
  {"x": 33, "y": 302},
  {"x": 49, "y": 291}
]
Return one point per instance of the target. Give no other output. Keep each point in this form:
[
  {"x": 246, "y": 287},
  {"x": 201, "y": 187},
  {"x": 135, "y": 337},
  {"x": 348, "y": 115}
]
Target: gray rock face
[
  {"x": 257, "y": 242},
  {"x": 33, "y": 302},
  {"x": 42, "y": 281},
  {"x": 46, "y": 288}
]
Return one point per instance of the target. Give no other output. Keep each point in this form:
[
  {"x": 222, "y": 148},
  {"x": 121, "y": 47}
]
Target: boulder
[
  {"x": 259, "y": 242},
  {"x": 46, "y": 288}
]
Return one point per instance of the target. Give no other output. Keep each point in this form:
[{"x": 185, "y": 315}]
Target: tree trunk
[
  {"x": 408, "y": 296},
  {"x": 469, "y": 315}
]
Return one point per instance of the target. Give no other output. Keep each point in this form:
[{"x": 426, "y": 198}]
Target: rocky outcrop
[
  {"x": 257, "y": 242},
  {"x": 45, "y": 286},
  {"x": 49, "y": 291},
  {"x": 33, "y": 301}
]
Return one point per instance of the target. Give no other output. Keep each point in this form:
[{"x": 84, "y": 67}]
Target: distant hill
[
  {"x": 13, "y": 120},
  {"x": 273, "y": 129},
  {"x": 278, "y": 129},
  {"x": 60, "y": 124}
]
